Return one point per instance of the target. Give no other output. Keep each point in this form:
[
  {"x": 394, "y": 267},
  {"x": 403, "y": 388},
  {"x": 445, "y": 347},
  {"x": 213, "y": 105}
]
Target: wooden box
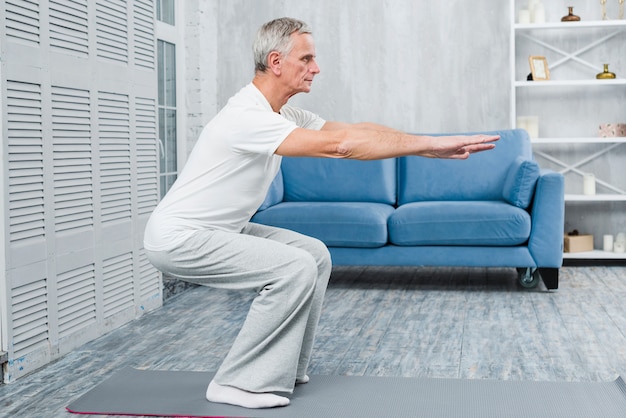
[{"x": 578, "y": 243}]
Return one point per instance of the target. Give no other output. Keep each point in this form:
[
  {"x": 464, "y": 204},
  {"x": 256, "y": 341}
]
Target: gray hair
[{"x": 275, "y": 36}]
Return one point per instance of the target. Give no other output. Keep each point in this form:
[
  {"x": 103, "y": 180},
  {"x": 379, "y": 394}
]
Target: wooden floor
[{"x": 435, "y": 322}]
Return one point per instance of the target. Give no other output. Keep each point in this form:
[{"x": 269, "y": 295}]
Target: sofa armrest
[
  {"x": 275, "y": 192},
  {"x": 548, "y": 220}
]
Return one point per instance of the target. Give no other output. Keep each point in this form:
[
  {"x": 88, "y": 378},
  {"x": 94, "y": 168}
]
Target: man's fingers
[
  {"x": 460, "y": 147},
  {"x": 485, "y": 138},
  {"x": 481, "y": 143},
  {"x": 487, "y": 145}
]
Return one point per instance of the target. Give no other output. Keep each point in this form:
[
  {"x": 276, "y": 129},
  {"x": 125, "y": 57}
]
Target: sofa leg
[{"x": 550, "y": 277}]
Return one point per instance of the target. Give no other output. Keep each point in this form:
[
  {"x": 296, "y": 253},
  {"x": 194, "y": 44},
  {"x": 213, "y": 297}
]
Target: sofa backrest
[
  {"x": 338, "y": 180},
  {"x": 480, "y": 177}
]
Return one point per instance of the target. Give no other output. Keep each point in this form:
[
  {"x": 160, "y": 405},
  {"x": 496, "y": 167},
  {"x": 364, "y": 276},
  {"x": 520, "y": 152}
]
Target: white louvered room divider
[{"x": 80, "y": 173}]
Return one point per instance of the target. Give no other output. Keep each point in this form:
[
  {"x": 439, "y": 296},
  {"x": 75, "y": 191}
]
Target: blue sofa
[{"x": 495, "y": 209}]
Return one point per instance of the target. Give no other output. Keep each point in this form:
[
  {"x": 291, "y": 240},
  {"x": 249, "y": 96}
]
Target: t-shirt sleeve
[
  {"x": 302, "y": 118},
  {"x": 262, "y": 132},
  {"x": 259, "y": 132}
]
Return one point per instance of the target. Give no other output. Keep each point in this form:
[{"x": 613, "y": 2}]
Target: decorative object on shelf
[
  {"x": 589, "y": 184},
  {"x": 523, "y": 16},
  {"x": 539, "y": 67},
  {"x": 535, "y": 13},
  {"x": 621, "y": 9},
  {"x": 571, "y": 17},
  {"x": 538, "y": 13},
  {"x": 619, "y": 246},
  {"x": 530, "y": 124},
  {"x": 606, "y": 74},
  {"x": 608, "y": 242},
  {"x": 610, "y": 130},
  {"x": 575, "y": 243}
]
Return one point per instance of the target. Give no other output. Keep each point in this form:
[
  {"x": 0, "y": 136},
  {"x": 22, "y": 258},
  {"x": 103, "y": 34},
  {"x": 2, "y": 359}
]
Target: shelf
[
  {"x": 579, "y": 49},
  {"x": 595, "y": 198},
  {"x": 596, "y": 255},
  {"x": 590, "y": 140},
  {"x": 571, "y": 83},
  {"x": 570, "y": 25}
]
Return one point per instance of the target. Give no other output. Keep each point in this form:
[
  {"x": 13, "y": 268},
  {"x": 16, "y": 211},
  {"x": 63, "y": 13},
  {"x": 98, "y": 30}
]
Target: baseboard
[
  {"x": 589, "y": 262},
  {"x": 173, "y": 287},
  {"x": 4, "y": 358}
]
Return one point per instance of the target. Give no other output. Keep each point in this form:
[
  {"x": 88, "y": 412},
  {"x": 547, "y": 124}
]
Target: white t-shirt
[{"x": 229, "y": 170}]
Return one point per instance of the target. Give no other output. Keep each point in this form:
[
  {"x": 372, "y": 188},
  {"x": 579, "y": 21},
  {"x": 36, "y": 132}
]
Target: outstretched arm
[
  {"x": 333, "y": 126},
  {"x": 367, "y": 141}
]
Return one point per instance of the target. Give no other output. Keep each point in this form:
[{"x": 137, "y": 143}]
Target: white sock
[
  {"x": 233, "y": 396},
  {"x": 303, "y": 380}
]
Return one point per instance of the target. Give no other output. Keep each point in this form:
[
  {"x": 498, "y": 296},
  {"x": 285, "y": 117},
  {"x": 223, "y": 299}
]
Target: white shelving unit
[
  {"x": 594, "y": 255},
  {"x": 569, "y": 25},
  {"x": 572, "y": 82}
]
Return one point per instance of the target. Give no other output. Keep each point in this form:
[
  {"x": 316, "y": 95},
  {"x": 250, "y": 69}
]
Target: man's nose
[{"x": 315, "y": 69}]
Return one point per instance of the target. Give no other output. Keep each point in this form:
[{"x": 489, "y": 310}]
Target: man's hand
[{"x": 459, "y": 147}]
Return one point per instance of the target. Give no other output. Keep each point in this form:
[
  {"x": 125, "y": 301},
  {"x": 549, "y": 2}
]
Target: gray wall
[{"x": 419, "y": 66}]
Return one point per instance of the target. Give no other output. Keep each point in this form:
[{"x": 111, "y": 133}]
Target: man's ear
[{"x": 274, "y": 61}]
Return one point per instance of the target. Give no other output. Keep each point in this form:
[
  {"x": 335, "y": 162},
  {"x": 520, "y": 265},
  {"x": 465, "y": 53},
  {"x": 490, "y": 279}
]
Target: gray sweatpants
[{"x": 288, "y": 271}]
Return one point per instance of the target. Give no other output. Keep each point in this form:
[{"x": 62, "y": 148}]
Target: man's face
[{"x": 299, "y": 66}]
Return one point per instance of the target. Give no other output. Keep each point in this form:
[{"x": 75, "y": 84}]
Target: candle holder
[
  {"x": 589, "y": 184},
  {"x": 571, "y": 17},
  {"x": 606, "y": 74},
  {"x": 621, "y": 9}
]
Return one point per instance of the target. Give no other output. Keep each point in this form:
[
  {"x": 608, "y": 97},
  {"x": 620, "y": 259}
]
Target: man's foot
[
  {"x": 233, "y": 396},
  {"x": 302, "y": 380}
]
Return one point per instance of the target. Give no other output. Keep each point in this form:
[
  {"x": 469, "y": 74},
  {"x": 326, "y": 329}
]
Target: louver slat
[
  {"x": 69, "y": 26},
  {"x": 73, "y": 171},
  {"x": 118, "y": 284},
  {"x": 76, "y": 299},
  {"x": 149, "y": 284},
  {"x": 30, "y": 317},
  {"x": 22, "y": 21},
  {"x": 147, "y": 169},
  {"x": 115, "y": 158},
  {"x": 25, "y": 160},
  {"x": 112, "y": 33},
  {"x": 144, "y": 34}
]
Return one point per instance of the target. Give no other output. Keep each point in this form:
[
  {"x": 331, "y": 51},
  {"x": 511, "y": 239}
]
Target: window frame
[{"x": 174, "y": 34}]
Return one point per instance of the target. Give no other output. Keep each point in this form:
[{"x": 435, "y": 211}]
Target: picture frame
[{"x": 539, "y": 67}]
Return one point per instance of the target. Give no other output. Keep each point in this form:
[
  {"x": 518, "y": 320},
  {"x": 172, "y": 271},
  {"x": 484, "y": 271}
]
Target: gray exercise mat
[{"x": 181, "y": 393}]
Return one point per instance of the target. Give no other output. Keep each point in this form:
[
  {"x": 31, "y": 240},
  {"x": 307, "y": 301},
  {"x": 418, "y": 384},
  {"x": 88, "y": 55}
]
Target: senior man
[{"x": 201, "y": 230}]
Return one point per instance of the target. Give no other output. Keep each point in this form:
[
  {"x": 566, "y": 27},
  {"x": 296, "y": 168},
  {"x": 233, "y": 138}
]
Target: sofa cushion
[
  {"x": 275, "y": 193},
  {"x": 480, "y": 177},
  {"x": 337, "y": 224},
  {"x": 459, "y": 223},
  {"x": 339, "y": 180},
  {"x": 519, "y": 185}
]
